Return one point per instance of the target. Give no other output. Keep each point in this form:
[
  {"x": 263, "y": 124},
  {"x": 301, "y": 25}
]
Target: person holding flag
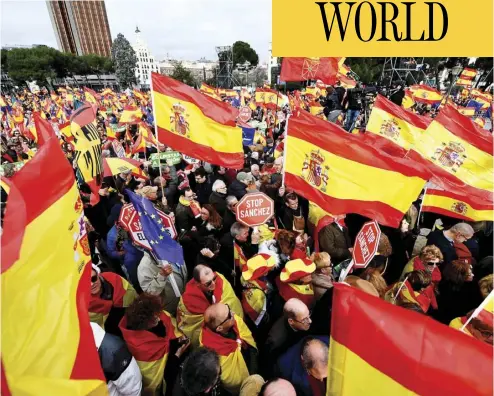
[{"x": 165, "y": 258}]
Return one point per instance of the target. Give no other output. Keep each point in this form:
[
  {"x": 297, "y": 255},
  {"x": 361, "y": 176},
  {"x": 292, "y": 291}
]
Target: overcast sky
[{"x": 185, "y": 29}]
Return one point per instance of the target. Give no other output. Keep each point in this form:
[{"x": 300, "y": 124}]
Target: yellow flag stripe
[
  {"x": 342, "y": 173},
  {"x": 447, "y": 203},
  {"x": 477, "y": 167},
  {"x": 202, "y": 130},
  {"x": 349, "y": 374}
]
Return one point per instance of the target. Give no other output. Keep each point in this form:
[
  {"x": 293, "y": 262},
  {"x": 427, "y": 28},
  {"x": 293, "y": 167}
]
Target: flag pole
[
  {"x": 420, "y": 209},
  {"x": 478, "y": 310},
  {"x": 156, "y": 136},
  {"x": 284, "y": 151},
  {"x": 399, "y": 289}
]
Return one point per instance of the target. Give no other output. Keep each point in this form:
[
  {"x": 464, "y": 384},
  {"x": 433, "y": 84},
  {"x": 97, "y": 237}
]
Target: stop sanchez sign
[
  {"x": 254, "y": 209},
  {"x": 366, "y": 244}
]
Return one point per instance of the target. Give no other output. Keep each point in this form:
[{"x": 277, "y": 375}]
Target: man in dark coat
[
  {"x": 335, "y": 240},
  {"x": 218, "y": 197},
  {"x": 203, "y": 186},
  {"x": 445, "y": 240},
  {"x": 239, "y": 186}
]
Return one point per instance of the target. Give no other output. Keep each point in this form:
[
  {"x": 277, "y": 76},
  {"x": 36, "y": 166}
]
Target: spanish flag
[
  {"x": 457, "y": 151},
  {"x": 301, "y": 69},
  {"x": 312, "y": 91},
  {"x": 193, "y": 303},
  {"x": 467, "y": 111},
  {"x": 91, "y": 96},
  {"x": 483, "y": 313},
  {"x": 346, "y": 81},
  {"x": 233, "y": 367},
  {"x": 87, "y": 145},
  {"x": 146, "y": 134},
  {"x": 468, "y": 74},
  {"x": 480, "y": 122},
  {"x": 425, "y": 94},
  {"x": 458, "y": 205},
  {"x": 151, "y": 351},
  {"x": 108, "y": 92},
  {"x": 123, "y": 295},
  {"x": 463, "y": 82},
  {"x": 394, "y": 129},
  {"x": 210, "y": 91},
  {"x": 47, "y": 342},
  {"x": 195, "y": 124},
  {"x": 377, "y": 348},
  {"x": 139, "y": 95},
  {"x": 342, "y": 174},
  {"x": 317, "y": 110},
  {"x": 130, "y": 115}
]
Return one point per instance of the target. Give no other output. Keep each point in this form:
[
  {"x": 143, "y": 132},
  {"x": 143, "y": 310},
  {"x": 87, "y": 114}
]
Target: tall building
[
  {"x": 145, "y": 61},
  {"x": 81, "y": 27},
  {"x": 273, "y": 67}
]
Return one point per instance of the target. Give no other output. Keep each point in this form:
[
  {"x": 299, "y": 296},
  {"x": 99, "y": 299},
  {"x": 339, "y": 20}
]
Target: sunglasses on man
[
  {"x": 209, "y": 283},
  {"x": 229, "y": 317}
]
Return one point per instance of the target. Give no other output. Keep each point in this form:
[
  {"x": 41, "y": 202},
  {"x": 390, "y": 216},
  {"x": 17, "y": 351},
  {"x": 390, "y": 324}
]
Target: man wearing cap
[
  {"x": 239, "y": 186},
  {"x": 226, "y": 333},
  {"x": 108, "y": 290},
  {"x": 295, "y": 281},
  {"x": 256, "y": 287},
  {"x": 205, "y": 288}
]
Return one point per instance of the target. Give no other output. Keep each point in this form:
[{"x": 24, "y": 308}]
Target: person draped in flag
[
  {"x": 429, "y": 259},
  {"x": 295, "y": 281},
  {"x": 204, "y": 289},
  {"x": 226, "y": 333},
  {"x": 413, "y": 290},
  {"x": 108, "y": 290},
  {"x": 156, "y": 343}
]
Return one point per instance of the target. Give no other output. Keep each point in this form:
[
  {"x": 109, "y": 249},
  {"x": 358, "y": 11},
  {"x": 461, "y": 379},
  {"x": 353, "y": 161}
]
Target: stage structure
[
  {"x": 409, "y": 70},
  {"x": 224, "y": 77}
]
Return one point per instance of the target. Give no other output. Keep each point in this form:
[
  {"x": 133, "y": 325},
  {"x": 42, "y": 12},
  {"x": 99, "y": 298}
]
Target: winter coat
[
  {"x": 238, "y": 189},
  {"x": 184, "y": 219},
  {"x": 203, "y": 191},
  {"x": 219, "y": 203},
  {"x": 321, "y": 283},
  {"x": 335, "y": 242}
]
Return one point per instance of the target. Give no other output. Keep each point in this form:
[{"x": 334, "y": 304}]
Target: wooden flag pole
[{"x": 156, "y": 136}]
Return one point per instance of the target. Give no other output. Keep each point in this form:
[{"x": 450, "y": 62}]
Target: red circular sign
[
  {"x": 366, "y": 244},
  {"x": 245, "y": 114},
  {"x": 254, "y": 209},
  {"x": 129, "y": 220}
]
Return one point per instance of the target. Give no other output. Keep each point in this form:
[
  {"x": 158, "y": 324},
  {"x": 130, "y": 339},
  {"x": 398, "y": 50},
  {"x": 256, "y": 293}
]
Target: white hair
[
  {"x": 218, "y": 184},
  {"x": 462, "y": 228},
  {"x": 254, "y": 167}
]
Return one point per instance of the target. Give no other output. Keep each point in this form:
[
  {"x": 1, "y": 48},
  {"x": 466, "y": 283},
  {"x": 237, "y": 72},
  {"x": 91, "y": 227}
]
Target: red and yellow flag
[
  {"x": 130, "y": 115},
  {"x": 467, "y": 111},
  {"x": 463, "y": 82},
  {"x": 47, "y": 342},
  {"x": 147, "y": 135},
  {"x": 91, "y": 96},
  {"x": 209, "y": 91},
  {"x": 151, "y": 351},
  {"x": 468, "y": 74},
  {"x": 408, "y": 101},
  {"x": 425, "y": 94},
  {"x": 317, "y": 220},
  {"x": 458, "y": 205},
  {"x": 301, "y": 69},
  {"x": 317, "y": 110},
  {"x": 342, "y": 174},
  {"x": 195, "y": 124},
  {"x": 377, "y": 348},
  {"x": 394, "y": 129},
  {"x": 459, "y": 152}
]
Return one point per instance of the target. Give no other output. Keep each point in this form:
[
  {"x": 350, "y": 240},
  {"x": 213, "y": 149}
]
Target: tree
[
  {"x": 368, "y": 69},
  {"x": 125, "y": 60},
  {"x": 242, "y": 52},
  {"x": 180, "y": 73}
]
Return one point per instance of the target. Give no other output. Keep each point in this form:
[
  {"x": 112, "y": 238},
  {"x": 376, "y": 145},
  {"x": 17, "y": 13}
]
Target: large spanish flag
[
  {"x": 301, "y": 69},
  {"x": 459, "y": 152},
  {"x": 195, "y": 124},
  {"x": 342, "y": 174},
  {"x": 380, "y": 349},
  {"x": 47, "y": 343},
  {"x": 393, "y": 127},
  {"x": 425, "y": 94},
  {"x": 458, "y": 204}
]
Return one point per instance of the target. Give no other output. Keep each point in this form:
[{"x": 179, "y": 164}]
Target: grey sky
[{"x": 185, "y": 29}]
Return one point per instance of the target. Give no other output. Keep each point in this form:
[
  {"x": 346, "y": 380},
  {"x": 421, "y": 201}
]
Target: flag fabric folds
[
  {"x": 458, "y": 152},
  {"x": 163, "y": 246},
  {"x": 195, "y": 124},
  {"x": 457, "y": 204},
  {"x": 47, "y": 343},
  {"x": 342, "y": 174},
  {"x": 394, "y": 126},
  {"x": 301, "y": 69},
  {"x": 130, "y": 115},
  {"x": 87, "y": 143},
  {"x": 377, "y": 348},
  {"x": 425, "y": 94}
]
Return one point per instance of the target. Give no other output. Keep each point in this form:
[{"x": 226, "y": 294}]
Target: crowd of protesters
[{"x": 254, "y": 315}]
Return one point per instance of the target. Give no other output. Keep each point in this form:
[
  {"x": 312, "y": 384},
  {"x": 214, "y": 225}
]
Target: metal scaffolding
[
  {"x": 409, "y": 70},
  {"x": 224, "y": 77}
]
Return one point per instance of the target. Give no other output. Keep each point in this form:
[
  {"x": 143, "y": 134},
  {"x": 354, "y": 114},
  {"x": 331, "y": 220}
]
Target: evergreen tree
[{"x": 124, "y": 60}]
